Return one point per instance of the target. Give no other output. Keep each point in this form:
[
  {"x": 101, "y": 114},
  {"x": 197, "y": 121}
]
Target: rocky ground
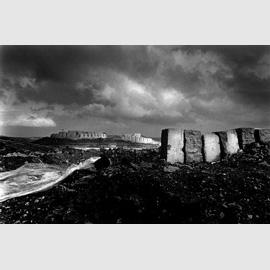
[
  {"x": 138, "y": 187},
  {"x": 15, "y": 152}
]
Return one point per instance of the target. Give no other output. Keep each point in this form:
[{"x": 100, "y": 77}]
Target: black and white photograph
[{"x": 135, "y": 134}]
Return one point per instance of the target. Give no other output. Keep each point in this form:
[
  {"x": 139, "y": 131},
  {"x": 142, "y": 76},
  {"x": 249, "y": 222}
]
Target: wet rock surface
[{"x": 139, "y": 187}]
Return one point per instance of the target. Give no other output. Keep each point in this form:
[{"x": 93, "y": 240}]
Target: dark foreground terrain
[{"x": 138, "y": 187}]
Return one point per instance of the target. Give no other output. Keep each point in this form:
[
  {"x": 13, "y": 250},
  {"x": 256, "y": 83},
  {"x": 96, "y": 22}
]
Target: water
[
  {"x": 34, "y": 177},
  {"x": 85, "y": 148}
]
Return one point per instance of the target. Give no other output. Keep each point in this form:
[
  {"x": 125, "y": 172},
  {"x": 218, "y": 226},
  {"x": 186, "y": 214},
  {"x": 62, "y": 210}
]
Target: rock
[
  {"x": 125, "y": 161},
  {"x": 222, "y": 215},
  {"x": 211, "y": 147},
  {"x": 262, "y": 135},
  {"x": 146, "y": 165},
  {"x": 102, "y": 163},
  {"x": 264, "y": 163},
  {"x": 193, "y": 146},
  {"x": 171, "y": 169},
  {"x": 172, "y": 143},
  {"x": 228, "y": 142},
  {"x": 245, "y": 136}
]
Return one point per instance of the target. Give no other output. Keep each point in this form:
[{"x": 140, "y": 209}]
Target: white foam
[
  {"x": 34, "y": 177},
  {"x": 85, "y": 148}
]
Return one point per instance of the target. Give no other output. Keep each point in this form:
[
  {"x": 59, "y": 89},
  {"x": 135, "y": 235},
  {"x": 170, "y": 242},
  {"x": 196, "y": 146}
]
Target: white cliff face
[
  {"x": 75, "y": 135},
  {"x": 138, "y": 138}
]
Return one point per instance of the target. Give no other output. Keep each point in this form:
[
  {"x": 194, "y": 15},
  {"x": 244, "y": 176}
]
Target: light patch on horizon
[
  {"x": 32, "y": 121},
  {"x": 21, "y": 115},
  {"x": 18, "y": 118}
]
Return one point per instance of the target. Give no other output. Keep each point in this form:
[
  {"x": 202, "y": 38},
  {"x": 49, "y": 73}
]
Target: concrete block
[
  {"x": 211, "y": 147},
  {"x": 172, "y": 144},
  {"x": 262, "y": 135},
  {"x": 193, "y": 146},
  {"x": 228, "y": 142},
  {"x": 245, "y": 136}
]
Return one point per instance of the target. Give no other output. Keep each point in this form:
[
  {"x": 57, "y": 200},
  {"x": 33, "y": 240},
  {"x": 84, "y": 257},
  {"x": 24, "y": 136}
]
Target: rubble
[
  {"x": 102, "y": 163},
  {"x": 139, "y": 187}
]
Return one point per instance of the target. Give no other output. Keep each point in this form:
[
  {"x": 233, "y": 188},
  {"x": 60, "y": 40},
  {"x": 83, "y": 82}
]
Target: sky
[{"x": 126, "y": 89}]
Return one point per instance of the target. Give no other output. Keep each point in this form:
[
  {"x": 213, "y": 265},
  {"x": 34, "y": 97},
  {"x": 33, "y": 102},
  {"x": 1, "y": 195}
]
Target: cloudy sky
[{"x": 121, "y": 89}]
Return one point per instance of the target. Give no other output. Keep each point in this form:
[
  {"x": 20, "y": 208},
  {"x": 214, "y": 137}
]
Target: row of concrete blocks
[{"x": 185, "y": 146}]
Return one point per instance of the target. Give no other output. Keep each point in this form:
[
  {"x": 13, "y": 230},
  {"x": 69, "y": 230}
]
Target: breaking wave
[{"x": 34, "y": 177}]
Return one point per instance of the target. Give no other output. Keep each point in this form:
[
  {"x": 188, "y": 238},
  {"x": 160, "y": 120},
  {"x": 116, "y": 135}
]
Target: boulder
[
  {"x": 102, "y": 163},
  {"x": 193, "y": 146},
  {"x": 262, "y": 135},
  {"x": 171, "y": 169},
  {"x": 245, "y": 136},
  {"x": 172, "y": 143},
  {"x": 228, "y": 142},
  {"x": 211, "y": 147}
]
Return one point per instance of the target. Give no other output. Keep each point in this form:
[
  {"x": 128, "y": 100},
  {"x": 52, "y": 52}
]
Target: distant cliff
[
  {"x": 138, "y": 138},
  {"x": 77, "y": 135}
]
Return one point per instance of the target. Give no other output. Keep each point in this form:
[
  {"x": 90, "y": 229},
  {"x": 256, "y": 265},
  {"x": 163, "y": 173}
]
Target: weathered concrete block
[
  {"x": 228, "y": 142},
  {"x": 262, "y": 135},
  {"x": 245, "y": 136},
  {"x": 193, "y": 146},
  {"x": 172, "y": 143},
  {"x": 211, "y": 147}
]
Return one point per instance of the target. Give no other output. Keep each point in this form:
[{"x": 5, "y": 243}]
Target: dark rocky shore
[{"x": 139, "y": 187}]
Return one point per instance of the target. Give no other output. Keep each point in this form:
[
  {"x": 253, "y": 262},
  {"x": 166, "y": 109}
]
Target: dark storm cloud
[
  {"x": 57, "y": 70},
  {"x": 247, "y": 87},
  {"x": 235, "y": 56},
  {"x": 55, "y": 92},
  {"x": 56, "y": 63},
  {"x": 243, "y": 86},
  {"x": 67, "y": 63},
  {"x": 250, "y": 90},
  {"x": 170, "y": 85}
]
